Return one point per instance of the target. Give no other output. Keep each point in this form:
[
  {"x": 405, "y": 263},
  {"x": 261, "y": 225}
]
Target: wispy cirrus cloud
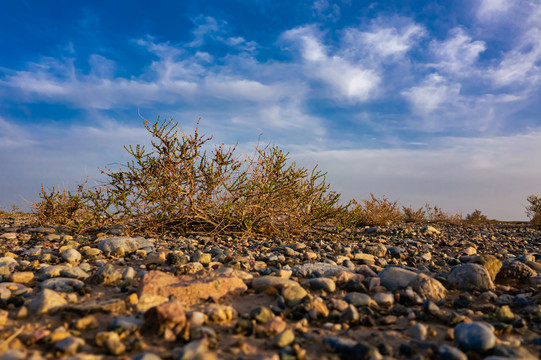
[
  {"x": 385, "y": 40},
  {"x": 458, "y": 54}
]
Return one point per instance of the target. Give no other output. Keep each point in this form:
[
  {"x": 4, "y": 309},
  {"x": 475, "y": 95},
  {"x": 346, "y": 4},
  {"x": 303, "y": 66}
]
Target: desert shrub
[
  {"x": 412, "y": 215},
  {"x": 15, "y": 210},
  {"x": 62, "y": 208},
  {"x": 476, "y": 217},
  {"x": 182, "y": 186},
  {"x": 375, "y": 211},
  {"x": 533, "y": 210},
  {"x": 436, "y": 214}
]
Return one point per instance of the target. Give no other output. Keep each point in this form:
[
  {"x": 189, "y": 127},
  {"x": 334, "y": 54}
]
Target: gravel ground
[{"x": 406, "y": 291}]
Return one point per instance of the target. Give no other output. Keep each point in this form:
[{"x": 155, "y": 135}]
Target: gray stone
[
  {"x": 195, "y": 349},
  {"x": 71, "y": 256},
  {"x": 474, "y": 336},
  {"x": 74, "y": 273},
  {"x": 516, "y": 270},
  {"x": 13, "y": 355},
  {"x": 320, "y": 284},
  {"x": 201, "y": 257},
  {"x": 293, "y": 295},
  {"x": 62, "y": 284},
  {"x": 418, "y": 331},
  {"x": 9, "y": 263},
  {"x": 50, "y": 271},
  {"x": 429, "y": 230},
  {"x": 47, "y": 301},
  {"x": 127, "y": 323},
  {"x": 470, "y": 277},
  {"x": 358, "y": 299},
  {"x": 394, "y": 278},
  {"x": 262, "y": 314},
  {"x": 385, "y": 300},
  {"x": 511, "y": 352},
  {"x": 224, "y": 270},
  {"x": 377, "y": 249},
  {"x": 447, "y": 352},
  {"x": 317, "y": 269},
  {"x": 69, "y": 345},
  {"x": 284, "y": 338},
  {"x": 147, "y": 356},
  {"x": 127, "y": 244},
  {"x": 428, "y": 288},
  {"x": 262, "y": 283},
  {"x": 107, "y": 274}
]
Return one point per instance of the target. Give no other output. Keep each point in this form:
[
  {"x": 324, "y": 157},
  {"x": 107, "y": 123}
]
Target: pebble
[
  {"x": 470, "y": 277},
  {"x": 318, "y": 269},
  {"x": 448, "y": 352},
  {"x": 474, "y": 336},
  {"x": 71, "y": 256},
  {"x": 262, "y": 283},
  {"x": 125, "y": 244},
  {"x": 428, "y": 288},
  {"x": 358, "y": 299},
  {"x": 320, "y": 284},
  {"x": 293, "y": 295},
  {"x": 394, "y": 278},
  {"x": 398, "y": 291},
  {"x": 385, "y": 300},
  {"x": 48, "y": 300},
  {"x": 284, "y": 338},
  {"x": 60, "y": 284}
]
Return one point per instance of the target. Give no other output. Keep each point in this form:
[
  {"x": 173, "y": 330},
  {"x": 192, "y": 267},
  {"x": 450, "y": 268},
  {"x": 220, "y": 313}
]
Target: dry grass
[
  {"x": 412, "y": 215},
  {"x": 476, "y": 217},
  {"x": 180, "y": 186},
  {"x": 375, "y": 212},
  {"x": 533, "y": 210},
  {"x": 15, "y": 210},
  {"x": 183, "y": 184}
]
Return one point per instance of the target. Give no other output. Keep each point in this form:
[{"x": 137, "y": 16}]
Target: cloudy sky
[{"x": 421, "y": 101}]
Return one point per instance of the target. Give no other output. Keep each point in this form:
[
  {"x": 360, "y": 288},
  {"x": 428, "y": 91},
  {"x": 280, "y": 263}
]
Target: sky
[{"x": 421, "y": 101}]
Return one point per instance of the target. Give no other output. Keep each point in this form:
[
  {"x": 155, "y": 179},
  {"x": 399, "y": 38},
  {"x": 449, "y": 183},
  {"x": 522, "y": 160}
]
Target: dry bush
[
  {"x": 533, "y": 210},
  {"x": 412, "y": 215},
  {"x": 62, "y": 208},
  {"x": 15, "y": 210},
  {"x": 436, "y": 214},
  {"x": 476, "y": 217},
  {"x": 181, "y": 186},
  {"x": 375, "y": 212}
]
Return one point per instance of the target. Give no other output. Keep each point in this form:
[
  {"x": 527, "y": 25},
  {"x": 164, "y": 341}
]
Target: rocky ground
[{"x": 409, "y": 291}]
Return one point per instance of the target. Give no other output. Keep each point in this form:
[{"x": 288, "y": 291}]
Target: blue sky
[{"x": 420, "y": 101}]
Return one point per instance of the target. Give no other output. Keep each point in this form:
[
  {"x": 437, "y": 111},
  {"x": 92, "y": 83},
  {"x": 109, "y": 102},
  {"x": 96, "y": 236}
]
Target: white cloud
[
  {"x": 322, "y": 9},
  {"x": 490, "y": 9},
  {"x": 433, "y": 93},
  {"x": 457, "y": 54},
  {"x": 521, "y": 65},
  {"x": 206, "y": 27},
  {"x": 382, "y": 41},
  {"x": 349, "y": 81},
  {"x": 456, "y": 174}
]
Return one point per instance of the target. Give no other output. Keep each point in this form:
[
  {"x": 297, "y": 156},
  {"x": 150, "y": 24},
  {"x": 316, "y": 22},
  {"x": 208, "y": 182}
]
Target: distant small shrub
[
  {"x": 375, "y": 212},
  {"x": 436, "y": 214},
  {"x": 15, "y": 210},
  {"x": 476, "y": 217},
  {"x": 181, "y": 186},
  {"x": 412, "y": 215},
  {"x": 62, "y": 208},
  {"x": 533, "y": 210}
]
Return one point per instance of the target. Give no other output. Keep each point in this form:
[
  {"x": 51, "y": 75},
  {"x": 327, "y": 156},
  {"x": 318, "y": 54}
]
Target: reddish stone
[
  {"x": 169, "y": 315},
  {"x": 189, "y": 289}
]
